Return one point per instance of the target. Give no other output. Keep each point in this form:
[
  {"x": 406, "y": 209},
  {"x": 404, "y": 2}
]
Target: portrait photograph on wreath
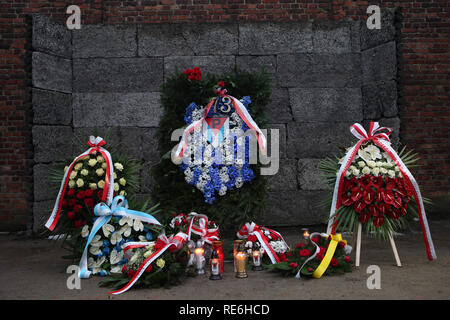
[{"x": 224, "y": 158}]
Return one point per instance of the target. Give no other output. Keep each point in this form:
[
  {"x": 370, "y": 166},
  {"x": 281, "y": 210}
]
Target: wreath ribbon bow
[
  {"x": 104, "y": 213},
  {"x": 208, "y": 235},
  {"x": 96, "y": 145},
  {"x": 254, "y": 229},
  {"x": 381, "y": 139}
]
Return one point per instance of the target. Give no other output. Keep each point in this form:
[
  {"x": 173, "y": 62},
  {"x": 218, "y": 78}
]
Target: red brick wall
[{"x": 424, "y": 74}]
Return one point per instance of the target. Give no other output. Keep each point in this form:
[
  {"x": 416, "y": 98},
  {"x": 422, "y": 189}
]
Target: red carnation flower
[
  {"x": 71, "y": 192},
  {"x": 77, "y": 208},
  {"x": 149, "y": 268},
  {"x": 81, "y": 195},
  {"x": 300, "y": 245},
  {"x": 177, "y": 223},
  {"x": 187, "y": 72},
  {"x": 72, "y": 202},
  {"x": 304, "y": 253},
  {"x": 334, "y": 262},
  {"x": 71, "y": 215},
  {"x": 293, "y": 265},
  {"x": 88, "y": 193},
  {"x": 347, "y": 259},
  {"x": 222, "y": 84},
  {"x": 89, "y": 202},
  {"x": 252, "y": 238}
]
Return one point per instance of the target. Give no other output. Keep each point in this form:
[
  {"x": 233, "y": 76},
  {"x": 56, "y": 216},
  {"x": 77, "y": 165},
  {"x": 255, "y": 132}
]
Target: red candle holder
[{"x": 218, "y": 246}]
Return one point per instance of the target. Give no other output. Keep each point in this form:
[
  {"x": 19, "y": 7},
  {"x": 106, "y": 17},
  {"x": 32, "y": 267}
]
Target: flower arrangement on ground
[
  {"x": 304, "y": 260},
  {"x": 372, "y": 185}
]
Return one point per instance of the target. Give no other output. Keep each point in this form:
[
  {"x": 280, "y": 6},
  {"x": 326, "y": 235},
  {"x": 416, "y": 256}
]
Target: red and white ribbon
[
  {"x": 381, "y": 139},
  {"x": 96, "y": 145},
  {"x": 208, "y": 234},
  {"x": 253, "y": 229},
  {"x": 243, "y": 114},
  {"x": 174, "y": 242}
]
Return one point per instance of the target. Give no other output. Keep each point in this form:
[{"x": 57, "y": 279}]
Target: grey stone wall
[{"x": 326, "y": 77}]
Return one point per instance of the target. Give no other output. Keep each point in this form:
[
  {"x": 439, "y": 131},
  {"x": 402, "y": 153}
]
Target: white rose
[
  {"x": 376, "y": 171},
  {"x": 371, "y": 164},
  {"x": 116, "y": 186},
  {"x": 104, "y": 165},
  {"x": 100, "y": 159},
  {"x": 78, "y": 166},
  {"x": 80, "y": 182},
  {"x": 122, "y": 193},
  {"x": 160, "y": 263},
  {"x": 380, "y": 164},
  {"x": 92, "y": 162},
  {"x": 391, "y": 173},
  {"x": 115, "y": 175},
  {"x": 118, "y": 166},
  {"x": 84, "y": 172},
  {"x": 361, "y": 164},
  {"x": 101, "y": 184},
  {"x": 122, "y": 181},
  {"x": 93, "y": 186},
  {"x": 73, "y": 174},
  {"x": 65, "y": 168},
  {"x": 355, "y": 172},
  {"x": 100, "y": 172},
  {"x": 383, "y": 170},
  {"x": 366, "y": 170},
  {"x": 71, "y": 183}
]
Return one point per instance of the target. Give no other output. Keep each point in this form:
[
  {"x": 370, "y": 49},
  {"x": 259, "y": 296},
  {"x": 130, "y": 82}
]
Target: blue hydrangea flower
[{"x": 188, "y": 114}]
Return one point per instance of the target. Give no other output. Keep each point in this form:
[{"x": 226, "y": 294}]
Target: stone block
[
  {"x": 209, "y": 64},
  {"x": 257, "y": 63},
  {"x": 51, "y": 107},
  {"x": 176, "y": 39},
  {"x": 141, "y": 109},
  {"x": 319, "y": 70},
  {"x": 308, "y": 176},
  {"x": 105, "y": 41},
  {"x": 150, "y": 146},
  {"x": 274, "y": 38},
  {"x": 331, "y": 37},
  {"x": 41, "y": 213},
  {"x": 43, "y": 188},
  {"x": 278, "y": 109},
  {"x": 317, "y": 139},
  {"x": 131, "y": 141},
  {"x": 147, "y": 180},
  {"x": 51, "y": 37},
  {"x": 326, "y": 104},
  {"x": 52, "y": 143},
  {"x": 295, "y": 208},
  {"x": 380, "y": 99},
  {"x": 374, "y": 37},
  {"x": 355, "y": 32},
  {"x": 117, "y": 74},
  {"x": 379, "y": 64},
  {"x": 286, "y": 178},
  {"x": 51, "y": 72},
  {"x": 281, "y": 127}
]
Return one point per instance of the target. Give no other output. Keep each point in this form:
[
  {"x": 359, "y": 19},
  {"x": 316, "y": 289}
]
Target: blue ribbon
[{"x": 119, "y": 207}]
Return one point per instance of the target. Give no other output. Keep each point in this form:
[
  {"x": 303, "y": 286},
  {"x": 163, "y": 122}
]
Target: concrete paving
[{"x": 34, "y": 269}]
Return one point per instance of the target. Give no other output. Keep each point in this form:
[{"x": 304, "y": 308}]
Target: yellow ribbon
[{"x": 335, "y": 239}]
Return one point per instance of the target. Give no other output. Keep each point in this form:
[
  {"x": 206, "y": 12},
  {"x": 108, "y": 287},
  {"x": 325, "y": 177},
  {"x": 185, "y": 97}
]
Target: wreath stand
[{"x": 357, "y": 234}]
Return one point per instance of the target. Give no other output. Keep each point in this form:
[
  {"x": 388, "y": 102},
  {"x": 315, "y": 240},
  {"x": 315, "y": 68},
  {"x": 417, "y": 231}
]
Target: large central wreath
[{"x": 214, "y": 151}]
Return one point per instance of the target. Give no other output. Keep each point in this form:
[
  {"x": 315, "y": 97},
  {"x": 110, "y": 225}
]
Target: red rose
[
  {"x": 177, "y": 223},
  {"x": 183, "y": 221},
  {"x": 100, "y": 194},
  {"x": 78, "y": 224},
  {"x": 282, "y": 257},
  {"x": 289, "y": 254},
  {"x": 334, "y": 262},
  {"x": 187, "y": 72},
  {"x": 197, "y": 77},
  {"x": 88, "y": 193},
  {"x": 319, "y": 256},
  {"x": 131, "y": 273},
  {"x": 304, "y": 253},
  {"x": 80, "y": 195},
  {"x": 64, "y": 203},
  {"x": 72, "y": 202},
  {"x": 89, "y": 202},
  {"x": 149, "y": 268},
  {"x": 71, "y": 215},
  {"x": 222, "y": 84},
  {"x": 71, "y": 192},
  {"x": 315, "y": 239},
  {"x": 347, "y": 259},
  {"x": 310, "y": 269},
  {"x": 252, "y": 238},
  {"x": 342, "y": 244},
  {"x": 300, "y": 245},
  {"x": 322, "y": 250},
  {"x": 174, "y": 214},
  {"x": 124, "y": 269},
  {"x": 293, "y": 265},
  {"x": 77, "y": 208}
]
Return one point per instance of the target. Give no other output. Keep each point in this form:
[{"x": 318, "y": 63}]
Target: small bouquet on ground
[
  {"x": 269, "y": 242},
  {"x": 372, "y": 185},
  {"x": 163, "y": 262},
  {"x": 312, "y": 259}
]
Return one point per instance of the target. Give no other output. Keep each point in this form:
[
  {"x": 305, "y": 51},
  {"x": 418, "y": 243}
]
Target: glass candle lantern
[
  {"x": 240, "y": 261},
  {"x": 236, "y": 244},
  {"x": 199, "y": 260},
  {"x": 218, "y": 246},
  {"x": 305, "y": 234},
  {"x": 256, "y": 254},
  {"x": 215, "y": 266}
]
